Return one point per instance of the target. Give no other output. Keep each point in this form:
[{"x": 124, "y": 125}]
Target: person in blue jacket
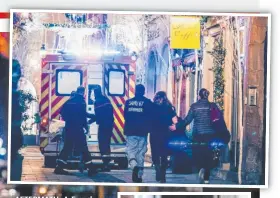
[
  {"x": 137, "y": 114},
  {"x": 164, "y": 115},
  {"x": 104, "y": 117},
  {"x": 75, "y": 116},
  {"x": 203, "y": 133}
]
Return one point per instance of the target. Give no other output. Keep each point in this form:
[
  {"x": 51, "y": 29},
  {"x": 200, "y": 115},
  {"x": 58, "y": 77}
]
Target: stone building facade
[
  {"x": 148, "y": 37},
  {"x": 255, "y": 104},
  {"x": 244, "y": 39}
]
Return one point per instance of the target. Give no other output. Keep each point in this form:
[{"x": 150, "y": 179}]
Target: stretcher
[{"x": 118, "y": 157}]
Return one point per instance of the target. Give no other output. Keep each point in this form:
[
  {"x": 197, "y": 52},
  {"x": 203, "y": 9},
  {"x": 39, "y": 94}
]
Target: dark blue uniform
[
  {"x": 75, "y": 116},
  {"x": 138, "y": 113},
  {"x": 105, "y": 119},
  {"x": 160, "y": 135}
]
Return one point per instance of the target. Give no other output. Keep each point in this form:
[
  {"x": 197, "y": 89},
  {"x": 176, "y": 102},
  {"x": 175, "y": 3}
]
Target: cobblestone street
[{"x": 33, "y": 170}]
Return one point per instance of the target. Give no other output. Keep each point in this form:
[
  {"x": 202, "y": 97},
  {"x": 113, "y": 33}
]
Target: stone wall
[
  {"x": 254, "y": 131},
  {"x": 158, "y": 42}
]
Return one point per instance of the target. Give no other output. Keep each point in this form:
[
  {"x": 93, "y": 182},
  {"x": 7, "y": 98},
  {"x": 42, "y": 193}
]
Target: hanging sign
[{"x": 185, "y": 32}]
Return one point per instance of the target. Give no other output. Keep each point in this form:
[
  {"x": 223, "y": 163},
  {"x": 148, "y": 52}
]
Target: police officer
[
  {"x": 75, "y": 116},
  {"x": 105, "y": 120},
  {"x": 136, "y": 128}
]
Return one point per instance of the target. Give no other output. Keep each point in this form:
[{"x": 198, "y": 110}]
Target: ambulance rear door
[
  {"x": 95, "y": 78},
  {"x": 116, "y": 83}
]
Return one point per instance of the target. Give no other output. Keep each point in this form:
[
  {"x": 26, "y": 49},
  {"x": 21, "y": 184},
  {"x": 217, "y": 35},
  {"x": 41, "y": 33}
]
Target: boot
[
  {"x": 140, "y": 177},
  {"x": 60, "y": 171},
  {"x": 135, "y": 177},
  {"x": 201, "y": 176},
  {"x": 158, "y": 174},
  {"x": 106, "y": 167},
  {"x": 59, "y": 167},
  {"x": 81, "y": 167},
  {"x": 91, "y": 169},
  {"x": 163, "y": 174}
]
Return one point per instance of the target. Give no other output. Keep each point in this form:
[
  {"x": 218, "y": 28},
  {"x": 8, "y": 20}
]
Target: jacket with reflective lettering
[{"x": 137, "y": 115}]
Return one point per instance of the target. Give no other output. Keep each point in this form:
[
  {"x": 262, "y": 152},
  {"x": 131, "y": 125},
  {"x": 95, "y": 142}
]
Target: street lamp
[
  {"x": 43, "y": 51},
  {"x": 134, "y": 56}
]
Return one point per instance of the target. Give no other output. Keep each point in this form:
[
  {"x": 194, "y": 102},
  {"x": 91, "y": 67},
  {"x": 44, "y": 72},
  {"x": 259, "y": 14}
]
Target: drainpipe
[
  {"x": 240, "y": 127},
  {"x": 240, "y": 102}
]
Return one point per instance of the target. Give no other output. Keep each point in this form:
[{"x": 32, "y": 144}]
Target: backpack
[{"x": 218, "y": 124}]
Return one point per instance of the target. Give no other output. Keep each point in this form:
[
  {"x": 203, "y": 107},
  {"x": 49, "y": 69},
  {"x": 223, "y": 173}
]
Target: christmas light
[
  {"x": 12, "y": 192},
  {"x": 3, "y": 151},
  {"x": 43, "y": 190}
]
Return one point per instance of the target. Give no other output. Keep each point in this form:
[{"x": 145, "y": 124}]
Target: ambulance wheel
[{"x": 123, "y": 163}]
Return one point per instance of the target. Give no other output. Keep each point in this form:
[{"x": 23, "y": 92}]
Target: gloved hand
[
  {"x": 86, "y": 130},
  {"x": 92, "y": 118}
]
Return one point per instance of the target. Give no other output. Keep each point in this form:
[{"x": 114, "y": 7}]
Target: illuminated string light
[
  {"x": 4, "y": 173},
  {"x": 3, "y": 151},
  {"x": 4, "y": 193},
  {"x": 43, "y": 190},
  {"x": 12, "y": 192}
]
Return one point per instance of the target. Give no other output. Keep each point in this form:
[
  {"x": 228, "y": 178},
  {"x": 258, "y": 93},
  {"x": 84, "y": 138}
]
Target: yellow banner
[{"x": 185, "y": 32}]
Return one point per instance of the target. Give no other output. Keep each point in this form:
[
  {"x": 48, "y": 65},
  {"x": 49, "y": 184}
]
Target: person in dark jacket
[
  {"x": 104, "y": 117},
  {"x": 4, "y": 98},
  {"x": 137, "y": 115},
  {"x": 74, "y": 114},
  {"x": 164, "y": 116},
  {"x": 202, "y": 132},
  {"x": 16, "y": 132}
]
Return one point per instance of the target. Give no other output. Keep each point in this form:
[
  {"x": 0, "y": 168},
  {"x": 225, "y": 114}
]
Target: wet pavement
[{"x": 34, "y": 171}]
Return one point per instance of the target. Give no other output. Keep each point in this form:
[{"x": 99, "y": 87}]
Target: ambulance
[{"x": 61, "y": 74}]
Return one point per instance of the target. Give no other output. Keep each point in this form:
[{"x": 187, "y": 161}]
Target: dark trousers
[
  {"x": 203, "y": 155},
  {"x": 104, "y": 141},
  {"x": 75, "y": 141},
  {"x": 159, "y": 149}
]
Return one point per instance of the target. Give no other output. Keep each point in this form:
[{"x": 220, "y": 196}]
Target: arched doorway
[
  {"x": 162, "y": 78},
  {"x": 151, "y": 75}
]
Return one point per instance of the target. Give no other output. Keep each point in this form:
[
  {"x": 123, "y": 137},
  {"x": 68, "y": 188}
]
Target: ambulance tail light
[
  {"x": 44, "y": 124},
  {"x": 42, "y": 150}
]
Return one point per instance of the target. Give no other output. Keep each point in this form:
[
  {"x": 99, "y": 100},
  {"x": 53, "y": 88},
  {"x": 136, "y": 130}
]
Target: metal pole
[
  {"x": 50, "y": 91},
  {"x": 196, "y": 74}
]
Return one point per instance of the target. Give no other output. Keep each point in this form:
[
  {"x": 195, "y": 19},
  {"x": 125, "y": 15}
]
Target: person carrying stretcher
[{"x": 75, "y": 116}]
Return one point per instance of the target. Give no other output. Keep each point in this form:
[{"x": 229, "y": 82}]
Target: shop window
[{"x": 116, "y": 83}]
